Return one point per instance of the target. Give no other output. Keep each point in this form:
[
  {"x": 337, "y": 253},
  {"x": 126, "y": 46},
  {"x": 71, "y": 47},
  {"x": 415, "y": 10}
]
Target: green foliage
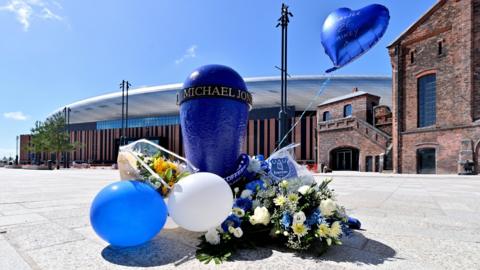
[{"x": 51, "y": 136}]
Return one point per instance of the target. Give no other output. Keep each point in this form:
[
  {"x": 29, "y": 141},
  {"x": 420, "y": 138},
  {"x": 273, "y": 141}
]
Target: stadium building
[{"x": 95, "y": 123}]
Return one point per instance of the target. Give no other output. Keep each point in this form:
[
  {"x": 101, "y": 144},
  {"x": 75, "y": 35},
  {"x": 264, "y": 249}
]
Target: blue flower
[
  {"x": 314, "y": 218},
  {"x": 264, "y": 166},
  {"x": 260, "y": 157},
  {"x": 256, "y": 185},
  {"x": 243, "y": 203},
  {"x": 232, "y": 221},
  {"x": 286, "y": 220},
  {"x": 346, "y": 229}
]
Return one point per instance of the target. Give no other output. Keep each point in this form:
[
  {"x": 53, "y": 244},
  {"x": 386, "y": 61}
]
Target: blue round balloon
[
  {"x": 214, "y": 126},
  {"x": 128, "y": 213},
  {"x": 347, "y": 34}
]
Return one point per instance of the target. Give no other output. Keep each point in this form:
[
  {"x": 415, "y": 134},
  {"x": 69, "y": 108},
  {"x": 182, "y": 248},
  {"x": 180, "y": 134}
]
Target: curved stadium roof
[{"x": 161, "y": 100}]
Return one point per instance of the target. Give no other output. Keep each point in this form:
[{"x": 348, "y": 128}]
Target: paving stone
[
  {"x": 40, "y": 235},
  {"x": 90, "y": 234},
  {"x": 73, "y": 222},
  {"x": 67, "y": 213},
  {"x": 73, "y": 255},
  {"x": 433, "y": 252},
  {"x": 10, "y": 259},
  {"x": 20, "y": 219},
  {"x": 6, "y": 207}
]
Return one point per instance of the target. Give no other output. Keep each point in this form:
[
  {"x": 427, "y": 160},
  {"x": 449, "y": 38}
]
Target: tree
[
  {"x": 51, "y": 136},
  {"x": 38, "y": 141}
]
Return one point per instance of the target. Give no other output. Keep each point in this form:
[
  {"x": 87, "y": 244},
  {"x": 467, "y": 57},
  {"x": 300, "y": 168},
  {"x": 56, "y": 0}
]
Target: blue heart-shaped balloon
[{"x": 347, "y": 34}]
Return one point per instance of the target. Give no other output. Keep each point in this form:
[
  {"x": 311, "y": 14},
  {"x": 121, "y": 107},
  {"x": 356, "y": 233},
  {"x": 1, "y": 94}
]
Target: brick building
[
  {"x": 354, "y": 133},
  {"x": 436, "y": 91}
]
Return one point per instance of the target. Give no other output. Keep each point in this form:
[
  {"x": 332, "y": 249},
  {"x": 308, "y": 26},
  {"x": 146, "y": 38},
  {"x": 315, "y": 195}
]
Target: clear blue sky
[{"x": 56, "y": 52}]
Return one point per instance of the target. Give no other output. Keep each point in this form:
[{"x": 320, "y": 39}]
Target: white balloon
[
  {"x": 200, "y": 201},
  {"x": 169, "y": 224}
]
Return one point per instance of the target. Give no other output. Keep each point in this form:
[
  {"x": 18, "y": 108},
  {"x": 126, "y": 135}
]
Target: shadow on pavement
[
  {"x": 357, "y": 249},
  {"x": 160, "y": 251},
  {"x": 164, "y": 249}
]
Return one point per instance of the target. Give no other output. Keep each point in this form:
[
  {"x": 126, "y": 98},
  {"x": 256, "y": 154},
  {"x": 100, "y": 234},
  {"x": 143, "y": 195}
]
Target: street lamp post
[
  {"x": 66, "y": 115},
  {"x": 125, "y": 86},
  {"x": 122, "y": 131},
  {"x": 283, "y": 114}
]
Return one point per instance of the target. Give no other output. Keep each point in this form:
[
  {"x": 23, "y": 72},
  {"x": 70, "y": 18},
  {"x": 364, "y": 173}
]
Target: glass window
[
  {"x": 327, "y": 116},
  {"x": 426, "y": 161},
  {"x": 140, "y": 122},
  {"x": 427, "y": 100},
  {"x": 347, "y": 110}
]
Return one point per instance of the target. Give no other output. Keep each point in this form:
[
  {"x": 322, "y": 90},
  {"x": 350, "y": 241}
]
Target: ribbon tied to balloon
[{"x": 347, "y": 34}]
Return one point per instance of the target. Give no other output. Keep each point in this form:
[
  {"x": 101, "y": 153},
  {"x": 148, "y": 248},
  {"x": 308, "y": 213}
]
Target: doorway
[
  {"x": 368, "y": 164},
  {"x": 344, "y": 159},
  {"x": 426, "y": 161}
]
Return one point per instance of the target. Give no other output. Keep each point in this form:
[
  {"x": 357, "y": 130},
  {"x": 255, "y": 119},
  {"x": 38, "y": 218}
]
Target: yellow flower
[
  {"x": 335, "y": 230},
  {"x": 293, "y": 198},
  {"x": 299, "y": 229},
  {"x": 280, "y": 200},
  {"x": 158, "y": 165},
  {"x": 172, "y": 165},
  {"x": 165, "y": 165},
  {"x": 323, "y": 230}
]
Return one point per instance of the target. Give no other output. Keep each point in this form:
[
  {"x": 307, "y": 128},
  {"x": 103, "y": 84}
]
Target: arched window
[
  {"x": 347, "y": 110},
  {"x": 427, "y": 100},
  {"x": 326, "y": 116}
]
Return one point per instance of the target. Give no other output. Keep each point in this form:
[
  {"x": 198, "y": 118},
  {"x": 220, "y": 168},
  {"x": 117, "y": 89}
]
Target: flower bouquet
[
  {"x": 146, "y": 161},
  {"x": 298, "y": 213}
]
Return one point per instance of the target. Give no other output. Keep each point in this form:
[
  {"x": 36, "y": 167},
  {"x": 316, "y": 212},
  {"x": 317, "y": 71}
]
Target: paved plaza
[{"x": 409, "y": 222}]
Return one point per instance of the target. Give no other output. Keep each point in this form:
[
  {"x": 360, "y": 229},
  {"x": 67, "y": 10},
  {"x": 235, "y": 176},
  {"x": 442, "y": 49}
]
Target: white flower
[
  {"x": 237, "y": 232},
  {"x": 299, "y": 218},
  {"x": 285, "y": 233},
  {"x": 247, "y": 193},
  {"x": 335, "y": 230},
  {"x": 212, "y": 236},
  {"x": 260, "y": 216},
  {"x": 236, "y": 190},
  {"x": 283, "y": 184},
  {"x": 327, "y": 207},
  {"x": 239, "y": 212},
  {"x": 254, "y": 165},
  {"x": 303, "y": 189},
  {"x": 299, "y": 229}
]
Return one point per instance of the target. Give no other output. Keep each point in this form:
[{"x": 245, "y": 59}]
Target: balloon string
[{"x": 317, "y": 95}]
